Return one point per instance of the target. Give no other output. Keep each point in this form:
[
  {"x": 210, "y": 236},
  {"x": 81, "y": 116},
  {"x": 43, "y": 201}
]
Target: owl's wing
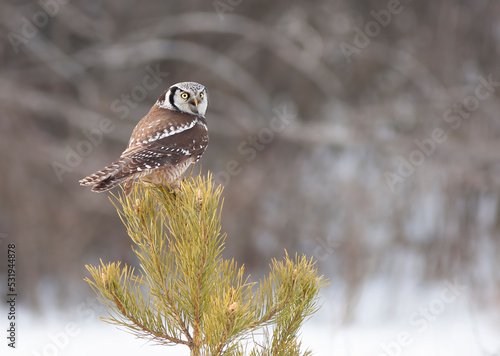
[
  {"x": 168, "y": 147},
  {"x": 160, "y": 124}
]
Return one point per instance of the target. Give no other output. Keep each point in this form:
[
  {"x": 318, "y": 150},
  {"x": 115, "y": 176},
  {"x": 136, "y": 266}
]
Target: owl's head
[{"x": 188, "y": 97}]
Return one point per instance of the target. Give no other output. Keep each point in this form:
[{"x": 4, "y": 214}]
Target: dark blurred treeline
[{"x": 364, "y": 133}]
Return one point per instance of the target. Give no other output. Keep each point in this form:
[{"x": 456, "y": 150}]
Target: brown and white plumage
[{"x": 171, "y": 137}]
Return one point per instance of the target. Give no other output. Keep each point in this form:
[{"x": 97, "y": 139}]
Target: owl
[{"x": 171, "y": 137}]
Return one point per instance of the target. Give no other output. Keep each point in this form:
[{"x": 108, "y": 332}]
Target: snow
[{"x": 441, "y": 320}]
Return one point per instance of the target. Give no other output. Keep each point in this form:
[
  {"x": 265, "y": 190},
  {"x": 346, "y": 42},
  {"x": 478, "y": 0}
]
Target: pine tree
[{"x": 186, "y": 293}]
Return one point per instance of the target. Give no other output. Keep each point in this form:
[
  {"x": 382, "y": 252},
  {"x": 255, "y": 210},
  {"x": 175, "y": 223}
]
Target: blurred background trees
[{"x": 341, "y": 180}]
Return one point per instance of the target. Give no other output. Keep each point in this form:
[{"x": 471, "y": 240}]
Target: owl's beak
[{"x": 194, "y": 103}]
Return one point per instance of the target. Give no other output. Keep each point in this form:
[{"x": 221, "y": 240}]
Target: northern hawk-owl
[{"x": 171, "y": 137}]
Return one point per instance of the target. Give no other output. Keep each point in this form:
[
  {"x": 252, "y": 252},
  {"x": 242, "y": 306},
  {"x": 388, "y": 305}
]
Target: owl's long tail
[{"x": 108, "y": 177}]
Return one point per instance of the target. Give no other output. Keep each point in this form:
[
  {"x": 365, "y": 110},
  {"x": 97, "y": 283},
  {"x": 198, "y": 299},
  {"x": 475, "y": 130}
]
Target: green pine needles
[{"x": 185, "y": 293}]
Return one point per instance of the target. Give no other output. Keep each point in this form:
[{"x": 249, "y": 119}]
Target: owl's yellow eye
[
  {"x": 184, "y": 96},
  {"x": 202, "y": 95}
]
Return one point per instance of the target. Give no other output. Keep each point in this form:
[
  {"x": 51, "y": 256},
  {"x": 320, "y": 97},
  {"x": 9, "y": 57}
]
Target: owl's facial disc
[{"x": 188, "y": 97}]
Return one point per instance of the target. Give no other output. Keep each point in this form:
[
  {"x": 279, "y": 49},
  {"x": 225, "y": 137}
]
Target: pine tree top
[{"x": 186, "y": 293}]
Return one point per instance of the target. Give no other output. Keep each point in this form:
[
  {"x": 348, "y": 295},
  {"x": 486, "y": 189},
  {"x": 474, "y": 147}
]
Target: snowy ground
[{"x": 440, "y": 322}]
